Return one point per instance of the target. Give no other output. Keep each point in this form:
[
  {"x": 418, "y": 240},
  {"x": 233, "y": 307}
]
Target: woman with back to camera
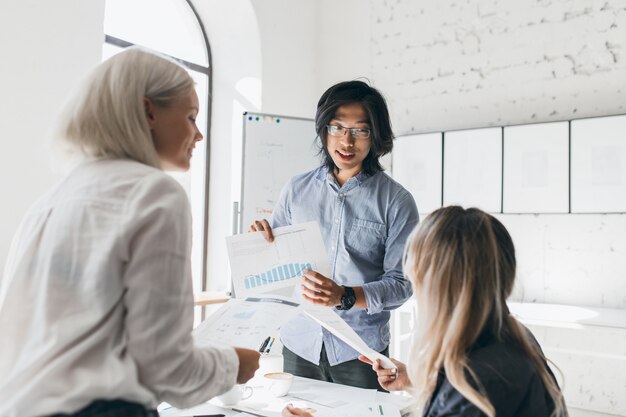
[
  {"x": 470, "y": 356},
  {"x": 96, "y": 303}
]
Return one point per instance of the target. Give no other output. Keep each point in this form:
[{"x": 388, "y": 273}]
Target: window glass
[
  {"x": 168, "y": 26},
  {"x": 142, "y": 22}
]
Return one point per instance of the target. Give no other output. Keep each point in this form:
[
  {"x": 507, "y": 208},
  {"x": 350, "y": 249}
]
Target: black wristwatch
[{"x": 347, "y": 299}]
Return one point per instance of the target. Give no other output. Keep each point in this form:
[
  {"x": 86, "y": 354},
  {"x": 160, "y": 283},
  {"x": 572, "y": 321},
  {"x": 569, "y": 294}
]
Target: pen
[
  {"x": 264, "y": 344},
  {"x": 270, "y": 345}
]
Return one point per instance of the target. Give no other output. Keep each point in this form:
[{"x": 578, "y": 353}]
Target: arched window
[{"x": 172, "y": 27}]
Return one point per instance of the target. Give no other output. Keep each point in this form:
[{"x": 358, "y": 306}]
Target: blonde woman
[
  {"x": 470, "y": 356},
  {"x": 96, "y": 304}
]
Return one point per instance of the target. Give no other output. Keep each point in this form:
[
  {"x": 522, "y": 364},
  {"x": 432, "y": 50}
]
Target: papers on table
[
  {"x": 246, "y": 323},
  {"x": 323, "y": 399},
  {"x": 274, "y": 408},
  {"x": 324, "y": 395},
  {"x": 362, "y": 410},
  {"x": 259, "y": 267}
]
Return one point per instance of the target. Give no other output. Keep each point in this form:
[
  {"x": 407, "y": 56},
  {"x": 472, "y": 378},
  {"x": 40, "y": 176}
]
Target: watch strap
[{"x": 348, "y": 299}]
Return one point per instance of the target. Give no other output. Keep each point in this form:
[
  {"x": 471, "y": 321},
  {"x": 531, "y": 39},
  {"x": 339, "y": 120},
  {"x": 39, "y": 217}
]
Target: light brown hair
[{"x": 462, "y": 265}]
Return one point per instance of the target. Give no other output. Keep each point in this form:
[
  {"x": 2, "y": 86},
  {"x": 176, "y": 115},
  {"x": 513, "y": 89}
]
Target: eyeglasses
[{"x": 355, "y": 132}]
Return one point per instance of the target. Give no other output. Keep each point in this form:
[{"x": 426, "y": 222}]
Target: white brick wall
[
  {"x": 452, "y": 64},
  {"x": 570, "y": 259},
  {"x": 456, "y": 64}
]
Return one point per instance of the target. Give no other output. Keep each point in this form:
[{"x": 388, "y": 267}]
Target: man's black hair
[{"x": 381, "y": 136}]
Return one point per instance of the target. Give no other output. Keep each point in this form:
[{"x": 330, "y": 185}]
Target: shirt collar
[{"x": 324, "y": 174}]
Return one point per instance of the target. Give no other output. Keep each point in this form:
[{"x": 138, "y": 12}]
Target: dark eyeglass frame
[{"x": 355, "y": 132}]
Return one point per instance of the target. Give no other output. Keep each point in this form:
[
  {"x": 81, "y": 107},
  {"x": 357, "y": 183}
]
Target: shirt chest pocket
[{"x": 366, "y": 239}]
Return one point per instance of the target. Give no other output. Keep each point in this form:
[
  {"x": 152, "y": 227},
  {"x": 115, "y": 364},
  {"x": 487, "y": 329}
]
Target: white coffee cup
[
  {"x": 269, "y": 362},
  {"x": 235, "y": 394},
  {"x": 278, "y": 383}
]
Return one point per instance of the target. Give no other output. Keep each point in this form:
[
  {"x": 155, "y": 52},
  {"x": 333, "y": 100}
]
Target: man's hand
[
  {"x": 390, "y": 379},
  {"x": 262, "y": 226},
  {"x": 248, "y": 364},
  {"x": 317, "y": 289}
]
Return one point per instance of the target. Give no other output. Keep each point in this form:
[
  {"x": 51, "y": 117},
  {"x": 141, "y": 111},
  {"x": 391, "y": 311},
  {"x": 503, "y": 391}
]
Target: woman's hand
[
  {"x": 262, "y": 226},
  {"x": 317, "y": 289},
  {"x": 248, "y": 364},
  {"x": 390, "y": 379},
  {"x": 291, "y": 411}
]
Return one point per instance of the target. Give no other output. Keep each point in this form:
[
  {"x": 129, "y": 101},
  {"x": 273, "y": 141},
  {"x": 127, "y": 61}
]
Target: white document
[
  {"x": 362, "y": 410},
  {"x": 330, "y": 320},
  {"x": 246, "y": 323},
  {"x": 259, "y": 267},
  {"x": 326, "y": 395}
]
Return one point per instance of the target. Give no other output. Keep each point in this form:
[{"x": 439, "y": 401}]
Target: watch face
[{"x": 348, "y": 299}]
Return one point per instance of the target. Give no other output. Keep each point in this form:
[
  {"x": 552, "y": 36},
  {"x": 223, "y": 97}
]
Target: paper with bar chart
[
  {"x": 259, "y": 267},
  {"x": 245, "y": 323}
]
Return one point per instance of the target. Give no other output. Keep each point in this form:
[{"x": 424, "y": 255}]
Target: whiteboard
[
  {"x": 275, "y": 148},
  {"x": 599, "y": 165},
  {"x": 472, "y": 174},
  {"x": 417, "y": 164}
]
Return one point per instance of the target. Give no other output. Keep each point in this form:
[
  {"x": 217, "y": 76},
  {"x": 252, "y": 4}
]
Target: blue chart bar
[{"x": 279, "y": 273}]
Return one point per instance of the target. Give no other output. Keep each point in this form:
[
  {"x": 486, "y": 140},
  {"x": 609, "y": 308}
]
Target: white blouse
[{"x": 96, "y": 298}]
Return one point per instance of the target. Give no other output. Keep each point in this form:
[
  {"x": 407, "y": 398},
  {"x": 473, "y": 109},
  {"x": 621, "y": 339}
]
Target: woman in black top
[{"x": 470, "y": 356}]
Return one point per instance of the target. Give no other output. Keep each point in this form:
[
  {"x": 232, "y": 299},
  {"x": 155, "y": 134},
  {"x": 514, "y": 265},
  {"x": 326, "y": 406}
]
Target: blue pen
[{"x": 270, "y": 345}]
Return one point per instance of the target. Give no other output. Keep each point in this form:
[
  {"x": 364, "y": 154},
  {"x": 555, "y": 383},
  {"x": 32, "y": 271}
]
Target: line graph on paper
[{"x": 259, "y": 267}]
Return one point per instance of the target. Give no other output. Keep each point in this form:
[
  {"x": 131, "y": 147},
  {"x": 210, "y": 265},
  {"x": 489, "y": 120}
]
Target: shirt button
[{"x": 336, "y": 220}]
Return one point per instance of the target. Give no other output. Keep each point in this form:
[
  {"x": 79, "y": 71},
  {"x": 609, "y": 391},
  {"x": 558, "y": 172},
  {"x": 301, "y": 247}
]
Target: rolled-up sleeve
[
  {"x": 159, "y": 300},
  {"x": 393, "y": 289}
]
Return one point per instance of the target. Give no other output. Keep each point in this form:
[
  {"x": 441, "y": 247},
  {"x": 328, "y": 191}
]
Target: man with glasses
[{"x": 365, "y": 218}]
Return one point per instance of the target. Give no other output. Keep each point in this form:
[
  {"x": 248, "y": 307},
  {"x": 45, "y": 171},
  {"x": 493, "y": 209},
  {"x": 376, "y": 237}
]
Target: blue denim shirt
[{"x": 364, "y": 224}]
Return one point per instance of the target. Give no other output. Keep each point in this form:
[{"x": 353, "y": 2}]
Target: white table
[{"x": 304, "y": 392}]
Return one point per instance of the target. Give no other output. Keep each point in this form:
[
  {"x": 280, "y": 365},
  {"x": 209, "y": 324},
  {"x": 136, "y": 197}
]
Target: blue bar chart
[
  {"x": 276, "y": 274},
  {"x": 259, "y": 267}
]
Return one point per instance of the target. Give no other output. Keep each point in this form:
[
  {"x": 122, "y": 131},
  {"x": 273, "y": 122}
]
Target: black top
[{"x": 511, "y": 382}]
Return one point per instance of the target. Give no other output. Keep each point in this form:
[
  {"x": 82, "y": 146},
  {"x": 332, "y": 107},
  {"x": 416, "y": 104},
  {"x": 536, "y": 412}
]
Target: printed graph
[
  {"x": 262, "y": 267},
  {"x": 276, "y": 274}
]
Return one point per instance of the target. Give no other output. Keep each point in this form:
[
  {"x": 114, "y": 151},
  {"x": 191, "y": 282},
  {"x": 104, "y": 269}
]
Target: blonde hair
[
  {"x": 107, "y": 117},
  {"x": 462, "y": 265}
]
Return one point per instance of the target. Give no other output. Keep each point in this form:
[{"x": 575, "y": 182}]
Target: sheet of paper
[
  {"x": 259, "y": 267},
  {"x": 324, "y": 395},
  {"x": 336, "y": 325},
  {"x": 362, "y": 410},
  {"x": 263, "y": 403},
  {"x": 273, "y": 407},
  {"x": 246, "y": 323}
]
